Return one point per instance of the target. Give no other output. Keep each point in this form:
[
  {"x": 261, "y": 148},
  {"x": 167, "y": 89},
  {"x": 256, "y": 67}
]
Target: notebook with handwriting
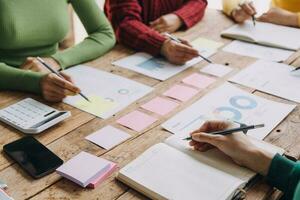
[
  {"x": 265, "y": 34},
  {"x": 172, "y": 170}
]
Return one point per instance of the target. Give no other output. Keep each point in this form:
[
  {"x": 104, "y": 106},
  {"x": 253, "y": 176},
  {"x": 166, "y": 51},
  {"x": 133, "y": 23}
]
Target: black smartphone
[{"x": 32, "y": 156}]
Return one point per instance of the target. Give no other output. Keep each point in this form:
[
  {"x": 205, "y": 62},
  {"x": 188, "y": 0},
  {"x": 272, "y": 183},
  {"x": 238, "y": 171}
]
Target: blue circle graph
[
  {"x": 236, "y": 115},
  {"x": 243, "y": 102}
]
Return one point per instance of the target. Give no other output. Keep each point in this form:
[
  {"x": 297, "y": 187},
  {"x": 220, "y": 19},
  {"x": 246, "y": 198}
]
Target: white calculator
[{"x": 31, "y": 116}]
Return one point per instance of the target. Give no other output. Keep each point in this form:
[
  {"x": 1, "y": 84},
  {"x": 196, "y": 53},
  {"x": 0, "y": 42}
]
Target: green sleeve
[
  {"x": 284, "y": 174},
  {"x": 12, "y": 78},
  {"x": 101, "y": 36}
]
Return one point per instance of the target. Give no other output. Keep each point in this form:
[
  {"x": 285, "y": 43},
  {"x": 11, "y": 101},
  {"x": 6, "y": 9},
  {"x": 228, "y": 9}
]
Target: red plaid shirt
[{"x": 131, "y": 17}]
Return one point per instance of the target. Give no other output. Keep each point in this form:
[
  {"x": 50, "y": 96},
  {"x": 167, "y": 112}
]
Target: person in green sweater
[
  {"x": 280, "y": 172},
  {"x": 33, "y": 28}
]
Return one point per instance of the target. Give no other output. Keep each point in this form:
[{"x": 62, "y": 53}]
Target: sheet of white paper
[
  {"x": 216, "y": 70},
  {"x": 272, "y": 78},
  {"x": 215, "y": 4},
  {"x": 266, "y": 34},
  {"x": 157, "y": 68},
  {"x": 119, "y": 90},
  {"x": 261, "y": 6},
  {"x": 230, "y": 102},
  {"x": 258, "y": 51},
  {"x": 108, "y": 137}
]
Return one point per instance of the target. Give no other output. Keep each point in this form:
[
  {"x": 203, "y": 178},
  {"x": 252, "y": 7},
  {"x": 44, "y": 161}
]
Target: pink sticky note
[
  {"x": 181, "y": 93},
  {"x": 102, "y": 177},
  {"x": 198, "y": 80},
  {"x": 160, "y": 106},
  {"x": 137, "y": 120}
]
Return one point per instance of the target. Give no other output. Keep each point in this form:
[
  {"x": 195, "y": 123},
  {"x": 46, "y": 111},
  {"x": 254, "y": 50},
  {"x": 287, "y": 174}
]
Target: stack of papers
[{"x": 86, "y": 169}]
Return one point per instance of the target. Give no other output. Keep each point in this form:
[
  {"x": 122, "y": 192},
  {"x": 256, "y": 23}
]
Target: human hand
[
  {"x": 31, "y": 63},
  {"x": 178, "y": 53},
  {"x": 280, "y": 16},
  {"x": 244, "y": 12},
  {"x": 55, "y": 88},
  {"x": 238, "y": 146},
  {"x": 167, "y": 23}
]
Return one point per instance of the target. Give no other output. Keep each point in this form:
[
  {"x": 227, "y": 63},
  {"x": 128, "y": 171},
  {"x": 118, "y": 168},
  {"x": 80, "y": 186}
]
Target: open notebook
[
  {"x": 265, "y": 34},
  {"x": 172, "y": 170}
]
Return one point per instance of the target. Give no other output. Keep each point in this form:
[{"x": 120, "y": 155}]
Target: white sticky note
[
  {"x": 108, "y": 137},
  {"x": 216, "y": 70},
  {"x": 83, "y": 168}
]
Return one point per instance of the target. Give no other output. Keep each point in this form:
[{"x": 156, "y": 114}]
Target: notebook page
[
  {"x": 213, "y": 158},
  {"x": 171, "y": 174},
  {"x": 243, "y": 31},
  {"x": 266, "y": 34}
]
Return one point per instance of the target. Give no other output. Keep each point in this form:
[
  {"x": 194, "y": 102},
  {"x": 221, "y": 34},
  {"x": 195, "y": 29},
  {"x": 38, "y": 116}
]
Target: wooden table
[{"x": 67, "y": 138}]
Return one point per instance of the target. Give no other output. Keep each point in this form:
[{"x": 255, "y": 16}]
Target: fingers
[
  {"x": 296, "y": 63},
  {"x": 211, "y": 126},
  {"x": 182, "y": 48},
  {"x": 248, "y": 8},
  {"x": 64, "y": 84},
  {"x": 185, "y": 42},
  {"x": 67, "y": 77},
  {"x": 208, "y": 138},
  {"x": 155, "y": 23}
]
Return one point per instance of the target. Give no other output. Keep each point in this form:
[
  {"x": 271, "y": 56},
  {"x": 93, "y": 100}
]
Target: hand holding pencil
[
  {"x": 238, "y": 146},
  {"x": 57, "y": 85}
]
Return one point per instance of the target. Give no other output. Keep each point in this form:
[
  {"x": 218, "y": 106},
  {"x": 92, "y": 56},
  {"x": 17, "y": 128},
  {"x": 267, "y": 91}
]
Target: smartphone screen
[{"x": 33, "y": 156}]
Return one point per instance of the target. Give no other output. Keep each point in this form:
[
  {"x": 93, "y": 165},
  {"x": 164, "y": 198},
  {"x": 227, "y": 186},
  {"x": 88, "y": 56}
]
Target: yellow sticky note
[
  {"x": 97, "y": 105},
  {"x": 206, "y": 43}
]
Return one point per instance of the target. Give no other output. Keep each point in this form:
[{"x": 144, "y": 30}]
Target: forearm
[
  {"x": 140, "y": 37},
  {"x": 100, "y": 35},
  {"x": 95, "y": 45},
  {"x": 284, "y": 174},
  {"x": 192, "y": 12},
  {"x": 19, "y": 80},
  {"x": 230, "y": 5}
]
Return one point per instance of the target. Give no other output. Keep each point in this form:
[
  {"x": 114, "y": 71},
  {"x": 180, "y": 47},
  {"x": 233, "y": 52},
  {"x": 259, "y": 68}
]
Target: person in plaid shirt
[{"x": 140, "y": 24}]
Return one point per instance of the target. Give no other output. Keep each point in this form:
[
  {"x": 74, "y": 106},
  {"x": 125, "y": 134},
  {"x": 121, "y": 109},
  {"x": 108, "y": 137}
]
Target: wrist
[
  {"x": 163, "y": 50},
  {"x": 294, "y": 19},
  {"x": 261, "y": 161}
]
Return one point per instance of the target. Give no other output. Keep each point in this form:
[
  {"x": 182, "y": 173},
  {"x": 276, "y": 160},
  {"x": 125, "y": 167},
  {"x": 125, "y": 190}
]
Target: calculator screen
[{"x": 33, "y": 156}]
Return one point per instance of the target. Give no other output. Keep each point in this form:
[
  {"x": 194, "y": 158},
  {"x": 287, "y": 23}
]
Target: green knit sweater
[
  {"x": 34, "y": 28},
  {"x": 284, "y": 174}
]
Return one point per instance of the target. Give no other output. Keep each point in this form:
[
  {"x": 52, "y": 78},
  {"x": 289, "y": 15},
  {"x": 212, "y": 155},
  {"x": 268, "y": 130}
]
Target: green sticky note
[{"x": 97, "y": 105}]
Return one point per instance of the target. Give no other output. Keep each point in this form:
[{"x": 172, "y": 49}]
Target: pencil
[
  {"x": 177, "y": 40},
  {"x": 233, "y": 130},
  {"x": 58, "y": 74},
  {"x": 253, "y": 20}
]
